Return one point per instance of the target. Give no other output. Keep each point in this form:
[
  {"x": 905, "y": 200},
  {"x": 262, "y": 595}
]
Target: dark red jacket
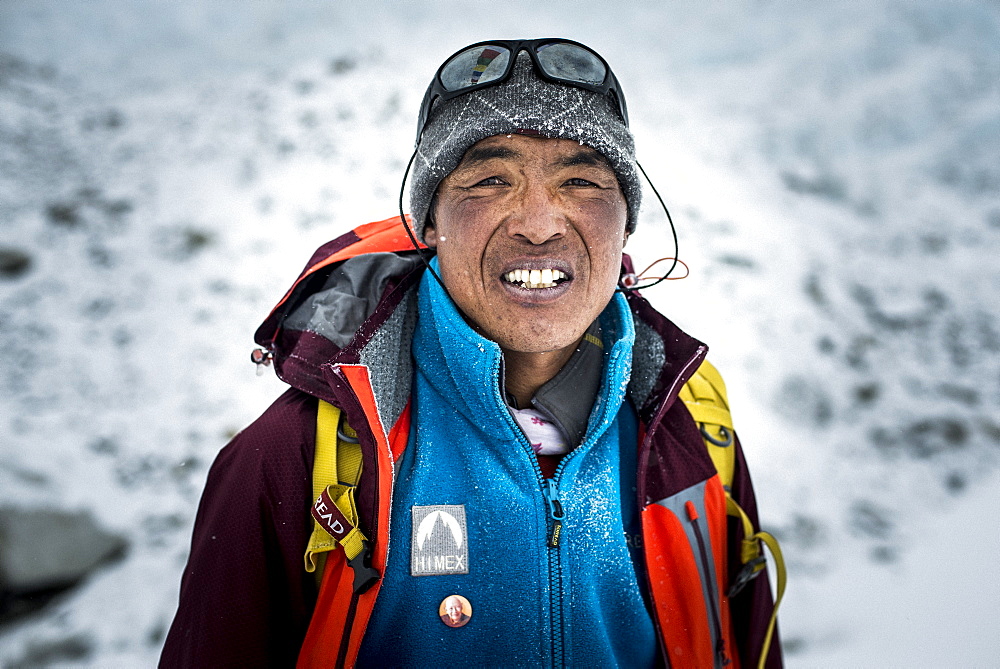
[{"x": 246, "y": 600}]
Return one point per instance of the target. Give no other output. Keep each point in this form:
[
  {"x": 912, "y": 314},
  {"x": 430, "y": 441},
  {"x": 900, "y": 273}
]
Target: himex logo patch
[{"x": 440, "y": 541}]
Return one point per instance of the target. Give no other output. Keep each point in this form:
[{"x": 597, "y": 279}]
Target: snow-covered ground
[{"x": 833, "y": 169}]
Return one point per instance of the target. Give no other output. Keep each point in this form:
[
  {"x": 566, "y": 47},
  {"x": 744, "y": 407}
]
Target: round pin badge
[{"x": 455, "y": 611}]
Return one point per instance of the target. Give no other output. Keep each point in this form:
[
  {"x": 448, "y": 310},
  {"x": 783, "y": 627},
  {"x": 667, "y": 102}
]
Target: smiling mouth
[{"x": 535, "y": 279}]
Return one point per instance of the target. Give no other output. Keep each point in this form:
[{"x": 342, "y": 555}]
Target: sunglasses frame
[{"x": 436, "y": 91}]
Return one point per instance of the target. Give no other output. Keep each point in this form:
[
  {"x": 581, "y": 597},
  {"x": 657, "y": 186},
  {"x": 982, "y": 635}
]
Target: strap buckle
[
  {"x": 365, "y": 575},
  {"x": 749, "y": 572}
]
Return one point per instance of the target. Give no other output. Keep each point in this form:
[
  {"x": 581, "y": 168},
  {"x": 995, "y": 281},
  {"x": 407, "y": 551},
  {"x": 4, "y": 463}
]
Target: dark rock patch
[
  {"x": 44, "y": 553},
  {"x": 14, "y": 263}
]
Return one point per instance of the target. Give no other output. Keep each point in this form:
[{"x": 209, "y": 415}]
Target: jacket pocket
[{"x": 685, "y": 543}]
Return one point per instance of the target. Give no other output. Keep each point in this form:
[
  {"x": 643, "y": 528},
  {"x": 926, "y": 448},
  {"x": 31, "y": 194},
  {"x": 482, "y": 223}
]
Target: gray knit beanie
[{"x": 523, "y": 102}]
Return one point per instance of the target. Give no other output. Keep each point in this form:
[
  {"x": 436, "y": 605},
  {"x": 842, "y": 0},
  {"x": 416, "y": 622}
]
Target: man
[
  {"x": 521, "y": 441},
  {"x": 454, "y": 613}
]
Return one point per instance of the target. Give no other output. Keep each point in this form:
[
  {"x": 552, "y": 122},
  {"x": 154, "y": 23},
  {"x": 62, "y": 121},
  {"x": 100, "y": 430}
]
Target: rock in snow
[{"x": 43, "y": 552}]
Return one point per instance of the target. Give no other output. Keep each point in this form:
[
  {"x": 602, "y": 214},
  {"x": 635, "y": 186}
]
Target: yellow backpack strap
[
  {"x": 336, "y": 472},
  {"x": 753, "y": 563},
  {"x": 705, "y": 397}
]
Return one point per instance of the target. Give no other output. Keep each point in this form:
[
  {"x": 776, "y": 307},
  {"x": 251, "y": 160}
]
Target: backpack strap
[
  {"x": 705, "y": 397},
  {"x": 753, "y": 563},
  {"x": 335, "y": 515}
]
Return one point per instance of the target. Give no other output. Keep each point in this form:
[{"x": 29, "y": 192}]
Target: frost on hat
[{"x": 523, "y": 102}]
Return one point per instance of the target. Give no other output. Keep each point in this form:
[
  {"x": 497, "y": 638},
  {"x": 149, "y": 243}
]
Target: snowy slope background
[{"x": 833, "y": 170}]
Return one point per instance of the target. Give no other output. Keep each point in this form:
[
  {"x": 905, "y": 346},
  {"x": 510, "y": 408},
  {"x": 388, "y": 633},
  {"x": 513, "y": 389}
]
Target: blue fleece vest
[{"x": 578, "y": 603}]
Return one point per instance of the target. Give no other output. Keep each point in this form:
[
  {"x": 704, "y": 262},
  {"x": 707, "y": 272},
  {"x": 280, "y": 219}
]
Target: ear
[
  {"x": 430, "y": 234},
  {"x": 625, "y": 240},
  {"x": 430, "y": 228}
]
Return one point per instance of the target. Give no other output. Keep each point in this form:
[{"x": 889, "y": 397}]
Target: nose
[{"x": 536, "y": 216}]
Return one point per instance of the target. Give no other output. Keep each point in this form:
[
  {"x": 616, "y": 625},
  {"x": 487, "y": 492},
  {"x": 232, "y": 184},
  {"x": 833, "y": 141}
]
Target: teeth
[{"x": 535, "y": 278}]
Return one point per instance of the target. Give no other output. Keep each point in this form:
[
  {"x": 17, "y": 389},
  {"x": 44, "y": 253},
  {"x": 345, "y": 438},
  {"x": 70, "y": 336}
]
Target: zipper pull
[
  {"x": 551, "y": 492},
  {"x": 261, "y": 358}
]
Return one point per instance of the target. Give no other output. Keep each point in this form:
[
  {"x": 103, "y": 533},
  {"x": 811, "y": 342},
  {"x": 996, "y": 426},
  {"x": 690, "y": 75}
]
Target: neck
[{"x": 525, "y": 373}]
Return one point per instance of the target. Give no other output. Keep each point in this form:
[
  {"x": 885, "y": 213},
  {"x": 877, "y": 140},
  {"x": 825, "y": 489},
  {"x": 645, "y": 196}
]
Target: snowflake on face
[{"x": 538, "y": 421}]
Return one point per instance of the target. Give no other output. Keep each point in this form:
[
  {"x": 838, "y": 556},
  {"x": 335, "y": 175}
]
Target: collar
[
  {"x": 465, "y": 368},
  {"x": 567, "y": 398}
]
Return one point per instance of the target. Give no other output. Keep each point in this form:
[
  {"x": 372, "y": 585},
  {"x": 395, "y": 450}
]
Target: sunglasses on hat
[{"x": 490, "y": 63}]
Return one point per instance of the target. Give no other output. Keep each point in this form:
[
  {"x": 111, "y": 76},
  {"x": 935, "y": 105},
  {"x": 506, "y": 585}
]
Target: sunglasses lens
[
  {"x": 571, "y": 62},
  {"x": 478, "y": 65}
]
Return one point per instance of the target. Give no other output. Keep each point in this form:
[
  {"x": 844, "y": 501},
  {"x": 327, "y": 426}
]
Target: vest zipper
[
  {"x": 720, "y": 644},
  {"x": 556, "y": 514},
  {"x": 551, "y": 491},
  {"x": 554, "y": 522}
]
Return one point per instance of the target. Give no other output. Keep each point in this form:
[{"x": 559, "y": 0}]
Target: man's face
[
  {"x": 454, "y": 610},
  {"x": 529, "y": 235}
]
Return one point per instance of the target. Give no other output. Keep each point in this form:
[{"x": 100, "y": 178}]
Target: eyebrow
[
  {"x": 585, "y": 156},
  {"x": 481, "y": 154}
]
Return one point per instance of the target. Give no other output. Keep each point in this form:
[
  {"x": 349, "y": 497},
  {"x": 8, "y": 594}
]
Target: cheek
[
  {"x": 458, "y": 255},
  {"x": 602, "y": 221},
  {"x": 606, "y": 278},
  {"x": 460, "y": 260},
  {"x": 462, "y": 241},
  {"x": 608, "y": 205},
  {"x": 605, "y": 249}
]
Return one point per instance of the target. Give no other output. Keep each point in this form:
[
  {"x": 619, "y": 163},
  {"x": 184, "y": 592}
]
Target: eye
[
  {"x": 581, "y": 182},
  {"x": 491, "y": 181}
]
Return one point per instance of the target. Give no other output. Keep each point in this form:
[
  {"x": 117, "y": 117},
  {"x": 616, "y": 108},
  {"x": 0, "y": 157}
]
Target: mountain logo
[
  {"x": 430, "y": 521},
  {"x": 439, "y": 541}
]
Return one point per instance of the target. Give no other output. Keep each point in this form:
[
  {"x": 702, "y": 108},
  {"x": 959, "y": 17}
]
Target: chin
[{"x": 534, "y": 343}]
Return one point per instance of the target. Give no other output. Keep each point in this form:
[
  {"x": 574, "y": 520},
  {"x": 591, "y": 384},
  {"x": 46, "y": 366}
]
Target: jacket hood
[{"x": 344, "y": 308}]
